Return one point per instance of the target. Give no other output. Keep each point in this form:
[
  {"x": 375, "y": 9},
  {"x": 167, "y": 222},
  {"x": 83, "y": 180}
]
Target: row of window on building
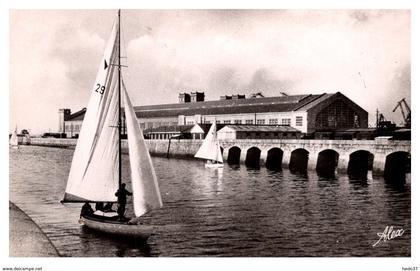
[
  {"x": 75, "y": 128},
  {"x": 267, "y": 135},
  {"x": 240, "y": 135},
  {"x": 163, "y": 136},
  {"x": 285, "y": 121},
  {"x": 149, "y": 125}
]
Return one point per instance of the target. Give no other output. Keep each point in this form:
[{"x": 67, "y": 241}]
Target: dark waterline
[{"x": 231, "y": 212}]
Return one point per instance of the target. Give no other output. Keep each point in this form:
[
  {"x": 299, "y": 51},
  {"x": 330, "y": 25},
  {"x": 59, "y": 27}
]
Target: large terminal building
[{"x": 305, "y": 113}]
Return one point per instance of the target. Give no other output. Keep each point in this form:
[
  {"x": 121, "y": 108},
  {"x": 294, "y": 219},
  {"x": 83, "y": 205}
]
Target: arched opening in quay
[
  {"x": 327, "y": 163},
  {"x": 274, "y": 159},
  {"x": 360, "y": 162},
  {"x": 234, "y": 156},
  {"x": 299, "y": 161},
  {"x": 252, "y": 159},
  {"x": 397, "y": 164}
]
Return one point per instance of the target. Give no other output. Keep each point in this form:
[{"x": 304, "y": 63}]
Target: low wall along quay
[{"x": 296, "y": 154}]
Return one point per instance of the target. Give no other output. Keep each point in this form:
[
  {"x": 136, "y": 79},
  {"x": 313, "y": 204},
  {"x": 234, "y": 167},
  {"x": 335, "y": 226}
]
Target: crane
[
  {"x": 383, "y": 124},
  {"x": 406, "y": 115}
]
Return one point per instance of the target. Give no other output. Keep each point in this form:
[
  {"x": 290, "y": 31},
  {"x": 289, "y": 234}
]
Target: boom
[{"x": 406, "y": 115}]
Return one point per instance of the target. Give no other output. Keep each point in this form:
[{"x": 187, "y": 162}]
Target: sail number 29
[{"x": 100, "y": 89}]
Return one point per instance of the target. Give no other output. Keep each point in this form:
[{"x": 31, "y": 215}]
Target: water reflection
[
  {"x": 235, "y": 211},
  {"x": 359, "y": 184},
  {"x": 327, "y": 181},
  {"x": 123, "y": 246},
  {"x": 300, "y": 173}
]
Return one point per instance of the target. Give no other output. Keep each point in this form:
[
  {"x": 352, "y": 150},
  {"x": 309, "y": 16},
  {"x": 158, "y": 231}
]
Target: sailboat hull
[{"x": 114, "y": 227}]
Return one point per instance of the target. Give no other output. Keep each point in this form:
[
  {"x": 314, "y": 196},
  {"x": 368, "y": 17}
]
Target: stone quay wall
[{"x": 186, "y": 148}]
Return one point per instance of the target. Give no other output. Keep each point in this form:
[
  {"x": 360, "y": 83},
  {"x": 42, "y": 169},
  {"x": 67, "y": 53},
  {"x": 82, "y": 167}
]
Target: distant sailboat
[
  {"x": 210, "y": 149},
  {"x": 14, "y": 141},
  {"x": 95, "y": 173}
]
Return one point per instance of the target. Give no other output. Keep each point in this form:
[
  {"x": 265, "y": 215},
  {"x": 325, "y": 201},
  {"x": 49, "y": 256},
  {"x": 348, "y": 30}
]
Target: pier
[
  {"x": 26, "y": 239},
  {"x": 342, "y": 155},
  {"x": 382, "y": 156}
]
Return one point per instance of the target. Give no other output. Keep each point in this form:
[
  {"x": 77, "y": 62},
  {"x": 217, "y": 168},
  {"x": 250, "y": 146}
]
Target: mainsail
[
  {"x": 14, "y": 141},
  {"x": 210, "y": 149},
  {"x": 94, "y": 171},
  {"x": 146, "y": 195}
]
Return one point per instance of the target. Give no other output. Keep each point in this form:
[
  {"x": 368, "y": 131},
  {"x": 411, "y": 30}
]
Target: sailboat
[
  {"x": 14, "y": 141},
  {"x": 210, "y": 149},
  {"x": 95, "y": 173}
]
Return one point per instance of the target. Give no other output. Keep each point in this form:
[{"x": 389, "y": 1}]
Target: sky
[{"x": 54, "y": 56}]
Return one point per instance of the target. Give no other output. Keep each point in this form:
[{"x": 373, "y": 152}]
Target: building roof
[
  {"x": 169, "y": 129},
  {"x": 79, "y": 115},
  {"x": 262, "y": 128},
  {"x": 324, "y": 97},
  {"x": 234, "y": 106},
  {"x": 182, "y": 128},
  {"x": 316, "y": 99}
]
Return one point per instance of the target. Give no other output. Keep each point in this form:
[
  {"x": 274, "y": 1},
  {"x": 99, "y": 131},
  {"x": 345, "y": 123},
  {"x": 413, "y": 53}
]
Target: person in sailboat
[
  {"x": 122, "y": 194},
  {"x": 107, "y": 207},
  {"x": 86, "y": 209},
  {"x": 99, "y": 206}
]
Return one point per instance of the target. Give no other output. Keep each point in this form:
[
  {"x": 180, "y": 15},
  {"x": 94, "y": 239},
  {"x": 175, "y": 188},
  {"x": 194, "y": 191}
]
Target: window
[
  {"x": 338, "y": 115},
  {"x": 217, "y": 121},
  {"x": 238, "y": 121},
  {"x": 331, "y": 121},
  {"x": 272, "y": 121},
  {"x": 285, "y": 121},
  {"x": 260, "y": 121},
  {"x": 190, "y": 122},
  {"x": 299, "y": 121},
  {"x": 356, "y": 121},
  {"x": 226, "y": 121},
  {"x": 249, "y": 121}
]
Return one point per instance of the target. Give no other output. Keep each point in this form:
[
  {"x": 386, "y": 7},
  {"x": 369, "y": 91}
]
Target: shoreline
[{"x": 26, "y": 239}]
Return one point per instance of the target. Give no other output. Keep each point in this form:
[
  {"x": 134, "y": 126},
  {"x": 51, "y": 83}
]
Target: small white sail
[
  {"x": 14, "y": 141},
  {"x": 94, "y": 171},
  {"x": 146, "y": 194},
  {"x": 210, "y": 149}
]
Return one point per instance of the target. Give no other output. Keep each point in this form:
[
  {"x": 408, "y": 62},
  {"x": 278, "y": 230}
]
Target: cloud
[
  {"x": 48, "y": 68},
  {"x": 302, "y": 51},
  {"x": 219, "y": 52}
]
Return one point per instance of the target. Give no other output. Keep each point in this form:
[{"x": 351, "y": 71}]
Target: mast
[{"x": 119, "y": 99}]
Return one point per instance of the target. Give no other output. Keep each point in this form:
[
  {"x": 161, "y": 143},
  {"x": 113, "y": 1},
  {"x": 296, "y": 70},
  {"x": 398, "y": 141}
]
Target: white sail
[
  {"x": 146, "y": 194},
  {"x": 210, "y": 149},
  {"x": 14, "y": 141},
  {"x": 94, "y": 171}
]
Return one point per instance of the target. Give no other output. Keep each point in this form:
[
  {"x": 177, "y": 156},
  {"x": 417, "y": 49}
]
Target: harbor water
[{"x": 235, "y": 211}]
